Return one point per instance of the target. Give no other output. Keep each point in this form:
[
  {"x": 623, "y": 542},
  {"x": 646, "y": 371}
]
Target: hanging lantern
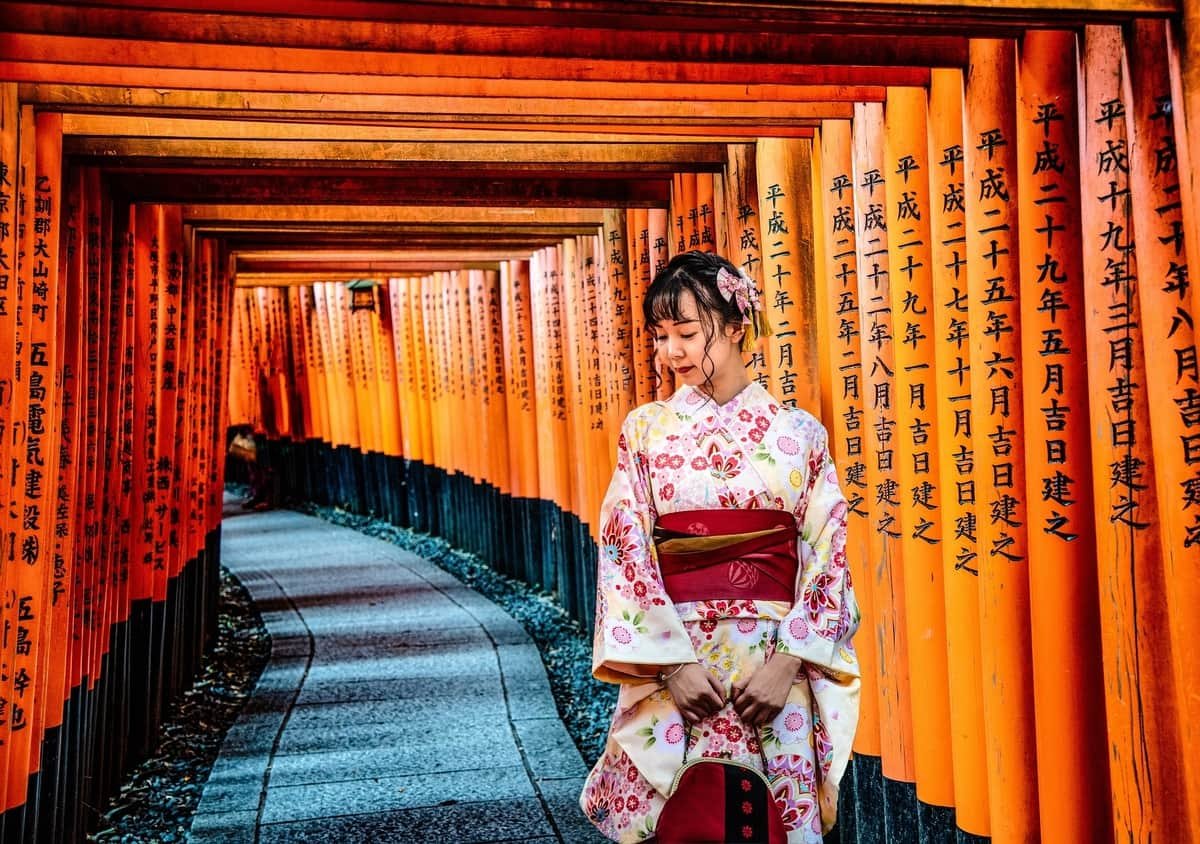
[{"x": 362, "y": 294}]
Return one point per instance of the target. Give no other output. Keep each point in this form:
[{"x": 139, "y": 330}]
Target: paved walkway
[{"x": 398, "y": 705}]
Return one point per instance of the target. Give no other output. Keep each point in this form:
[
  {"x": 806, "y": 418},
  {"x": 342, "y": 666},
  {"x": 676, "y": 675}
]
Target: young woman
[{"x": 747, "y": 656}]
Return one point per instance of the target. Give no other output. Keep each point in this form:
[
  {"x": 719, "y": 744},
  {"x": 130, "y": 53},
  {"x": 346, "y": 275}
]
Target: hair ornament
[{"x": 741, "y": 290}]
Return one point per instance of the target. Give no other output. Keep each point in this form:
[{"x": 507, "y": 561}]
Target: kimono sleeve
[
  {"x": 637, "y": 627},
  {"x": 819, "y": 626}
]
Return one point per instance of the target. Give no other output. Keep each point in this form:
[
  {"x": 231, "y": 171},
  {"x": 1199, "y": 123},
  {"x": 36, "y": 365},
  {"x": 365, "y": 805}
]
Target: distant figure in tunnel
[{"x": 724, "y": 606}]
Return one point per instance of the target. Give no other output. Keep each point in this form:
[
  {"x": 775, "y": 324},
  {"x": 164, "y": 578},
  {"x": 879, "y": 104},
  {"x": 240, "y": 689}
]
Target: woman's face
[{"x": 681, "y": 346}]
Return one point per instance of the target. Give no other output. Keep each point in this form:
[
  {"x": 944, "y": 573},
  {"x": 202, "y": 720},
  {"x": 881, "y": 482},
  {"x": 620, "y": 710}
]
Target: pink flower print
[
  {"x": 699, "y": 464},
  {"x": 788, "y": 445},
  {"x": 676, "y": 461},
  {"x": 798, "y": 628},
  {"x": 794, "y": 722},
  {"x": 755, "y": 435},
  {"x": 744, "y": 415},
  {"x": 747, "y": 625},
  {"x": 622, "y": 635},
  {"x": 674, "y": 734},
  {"x": 661, "y": 460},
  {"x": 667, "y": 492}
]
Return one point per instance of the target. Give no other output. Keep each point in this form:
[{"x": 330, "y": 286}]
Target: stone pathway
[{"x": 398, "y": 704}]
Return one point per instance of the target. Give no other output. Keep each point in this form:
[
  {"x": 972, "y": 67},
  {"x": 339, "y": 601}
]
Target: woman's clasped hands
[{"x": 757, "y": 699}]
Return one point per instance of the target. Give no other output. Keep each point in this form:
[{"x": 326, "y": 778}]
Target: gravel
[{"x": 157, "y": 801}]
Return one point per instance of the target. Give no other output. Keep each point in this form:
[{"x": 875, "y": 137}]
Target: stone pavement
[{"x": 398, "y": 704}]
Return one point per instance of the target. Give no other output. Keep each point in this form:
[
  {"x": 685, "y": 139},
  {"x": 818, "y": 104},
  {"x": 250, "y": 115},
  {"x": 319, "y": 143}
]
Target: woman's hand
[
  {"x": 696, "y": 692},
  {"x": 761, "y": 696}
]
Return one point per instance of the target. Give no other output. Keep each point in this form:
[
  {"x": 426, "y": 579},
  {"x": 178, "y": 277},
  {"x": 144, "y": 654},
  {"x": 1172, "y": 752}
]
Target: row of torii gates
[{"x": 408, "y": 244}]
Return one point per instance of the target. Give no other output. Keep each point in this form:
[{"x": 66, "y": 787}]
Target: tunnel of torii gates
[{"x": 408, "y": 243}]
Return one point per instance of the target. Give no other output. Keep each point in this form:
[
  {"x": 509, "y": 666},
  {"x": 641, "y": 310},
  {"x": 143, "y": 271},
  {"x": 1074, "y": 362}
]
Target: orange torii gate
[{"x": 976, "y": 264}]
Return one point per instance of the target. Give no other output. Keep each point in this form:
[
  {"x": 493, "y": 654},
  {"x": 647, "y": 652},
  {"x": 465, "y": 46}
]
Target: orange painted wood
[
  {"x": 170, "y": 284},
  {"x": 641, "y": 342},
  {"x": 1171, "y": 372},
  {"x": 997, "y": 399},
  {"x": 706, "y": 212},
  {"x": 741, "y": 199},
  {"x": 880, "y": 445},
  {"x": 11, "y": 402},
  {"x": 615, "y": 290},
  {"x": 385, "y": 355},
  {"x": 401, "y": 335},
  {"x": 659, "y": 223},
  {"x": 1183, "y": 57},
  {"x": 917, "y": 440},
  {"x": 820, "y": 284},
  {"x": 847, "y": 427},
  {"x": 545, "y": 319},
  {"x": 784, "y": 199},
  {"x": 520, "y": 356},
  {"x": 959, "y": 515},
  {"x": 1138, "y": 674},
  {"x": 580, "y": 374},
  {"x": 1072, "y": 778},
  {"x": 496, "y": 387}
]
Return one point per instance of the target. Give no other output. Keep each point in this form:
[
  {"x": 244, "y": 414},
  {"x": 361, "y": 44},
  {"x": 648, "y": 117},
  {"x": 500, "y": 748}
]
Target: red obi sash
[{"x": 707, "y": 555}]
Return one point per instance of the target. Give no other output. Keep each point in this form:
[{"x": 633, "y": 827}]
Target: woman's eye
[
  {"x": 660, "y": 338},
  {"x": 688, "y": 336}
]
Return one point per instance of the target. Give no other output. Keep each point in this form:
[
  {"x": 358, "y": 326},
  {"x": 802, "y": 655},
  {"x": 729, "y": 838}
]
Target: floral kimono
[{"x": 689, "y": 453}]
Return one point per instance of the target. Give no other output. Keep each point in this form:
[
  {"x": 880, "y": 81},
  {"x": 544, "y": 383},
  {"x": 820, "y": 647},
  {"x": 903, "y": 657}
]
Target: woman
[{"x": 721, "y": 659}]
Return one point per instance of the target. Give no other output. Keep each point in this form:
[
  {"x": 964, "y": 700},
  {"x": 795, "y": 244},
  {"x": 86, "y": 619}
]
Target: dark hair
[{"x": 696, "y": 273}]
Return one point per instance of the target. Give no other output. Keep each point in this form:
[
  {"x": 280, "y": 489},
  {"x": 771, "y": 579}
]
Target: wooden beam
[
  {"x": 57, "y": 74},
  {"x": 476, "y": 24},
  {"x": 696, "y": 154},
  {"x": 794, "y": 67},
  {"x": 430, "y": 215},
  {"x": 537, "y": 52},
  {"x": 637, "y": 191},
  {"x": 347, "y": 93}
]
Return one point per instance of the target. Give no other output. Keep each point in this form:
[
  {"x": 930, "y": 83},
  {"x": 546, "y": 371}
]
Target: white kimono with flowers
[{"x": 688, "y": 453}]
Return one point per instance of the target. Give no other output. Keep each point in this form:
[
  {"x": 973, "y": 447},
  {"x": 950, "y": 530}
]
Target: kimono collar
[{"x": 691, "y": 402}]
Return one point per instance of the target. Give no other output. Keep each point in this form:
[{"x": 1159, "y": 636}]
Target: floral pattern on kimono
[{"x": 690, "y": 453}]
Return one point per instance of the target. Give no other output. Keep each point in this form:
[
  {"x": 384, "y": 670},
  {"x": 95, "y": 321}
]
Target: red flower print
[
  {"x": 676, "y": 461},
  {"x": 631, "y": 774},
  {"x": 699, "y": 464},
  {"x": 747, "y": 807},
  {"x": 755, "y": 435},
  {"x": 630, "y": 572},
  {"x": 747, "y": 832},
  {"x": 752, "y": 744},
  {"x": 639, "y": 589},
  {"x": 817, "y": 595},
  {"x": 617, "y": 540},
  {"x": 667, "y": 492},
  {"x": 762, "y": 422},
  {"x": 619, "y": 804},
  {"x": 708, "y": 626},
  {"x": 721, "y": 725},
  {"x": 723, "y": 468},
  {"x": 735, "y": 733},
  {"x": 632, "y": 802},
  {"x": 660, "y": 461},
  {"x": 745, "y": 785},
  {"x": 744, "y": 415}
]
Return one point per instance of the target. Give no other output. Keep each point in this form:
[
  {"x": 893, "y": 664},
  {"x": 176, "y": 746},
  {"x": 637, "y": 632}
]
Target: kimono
[{"x": 690, "y": 453}]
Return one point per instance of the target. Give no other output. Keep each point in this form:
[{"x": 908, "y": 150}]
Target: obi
[{"x": 707, "y": 555}]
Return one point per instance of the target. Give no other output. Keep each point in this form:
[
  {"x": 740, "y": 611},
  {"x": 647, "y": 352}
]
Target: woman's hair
[{"x": 696, "y": 273}]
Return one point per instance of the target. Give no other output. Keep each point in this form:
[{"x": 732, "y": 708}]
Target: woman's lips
[{"x": 684, "y": 370}]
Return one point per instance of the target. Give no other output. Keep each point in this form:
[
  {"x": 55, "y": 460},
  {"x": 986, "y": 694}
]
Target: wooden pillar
[
  {"x": 741, "y": 195},
  {"x": 880, "y": 442},
  {"x": 1172, "y": 376},
  {"x": 1138, "y": 674},
  {"x": 959, "y": 528},
  {"x": 789, "y": 297},
  {"x": 847, "y": 431},
  {"x": 11, "y": 387},
  {"x": 918, "y": 451},
  {"x": 993, "y": 280},
  {"x": 1065, "y": 627}
]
